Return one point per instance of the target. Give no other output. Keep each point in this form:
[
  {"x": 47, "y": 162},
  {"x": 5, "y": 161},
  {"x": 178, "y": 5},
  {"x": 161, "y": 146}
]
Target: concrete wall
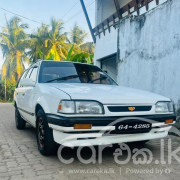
[{"x": 150, "y": 51}]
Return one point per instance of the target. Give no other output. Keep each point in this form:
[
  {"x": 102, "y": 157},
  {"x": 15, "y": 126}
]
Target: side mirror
[{"x": 27, "y": 82}]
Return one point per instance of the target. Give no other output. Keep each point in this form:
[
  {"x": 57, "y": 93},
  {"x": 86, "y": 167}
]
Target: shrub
[{"x": 10, "y": 87}]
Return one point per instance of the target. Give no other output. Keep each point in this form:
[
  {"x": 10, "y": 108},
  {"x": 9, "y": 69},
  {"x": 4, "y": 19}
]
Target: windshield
[{"x": 65, "y": 72}]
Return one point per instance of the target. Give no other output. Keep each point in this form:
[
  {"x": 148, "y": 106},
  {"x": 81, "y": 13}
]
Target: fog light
[
  {"x": 169, "y": 121},
  {"x": 82, "y": 126}
]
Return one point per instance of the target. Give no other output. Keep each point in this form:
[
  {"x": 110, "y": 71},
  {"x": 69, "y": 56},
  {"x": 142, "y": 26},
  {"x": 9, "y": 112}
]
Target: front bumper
[{"x": 100, "y": 133}]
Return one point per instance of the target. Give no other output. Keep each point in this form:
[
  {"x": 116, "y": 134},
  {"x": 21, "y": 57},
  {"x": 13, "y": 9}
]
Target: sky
[{"x": 44, "y": 10}]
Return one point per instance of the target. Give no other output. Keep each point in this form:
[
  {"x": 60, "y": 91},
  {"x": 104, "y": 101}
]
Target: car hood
[{"x": 108, "y": 94}]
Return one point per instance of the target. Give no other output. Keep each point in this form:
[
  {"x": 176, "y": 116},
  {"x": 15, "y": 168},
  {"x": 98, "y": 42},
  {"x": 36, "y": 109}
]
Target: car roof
[
  {"x": 64, "y": 62},
  {"x": 40, "y": 61}
]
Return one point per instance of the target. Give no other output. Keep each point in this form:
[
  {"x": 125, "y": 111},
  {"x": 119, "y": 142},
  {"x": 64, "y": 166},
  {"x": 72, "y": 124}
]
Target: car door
[
  {"x": 21, "y": 95},
  {"x": 29, "y": 97},
  {"x": 19, "y": 91}
]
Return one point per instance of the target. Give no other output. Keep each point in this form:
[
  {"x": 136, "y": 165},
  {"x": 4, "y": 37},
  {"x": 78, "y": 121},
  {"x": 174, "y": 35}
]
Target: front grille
[{"x": 129, "y": 108}]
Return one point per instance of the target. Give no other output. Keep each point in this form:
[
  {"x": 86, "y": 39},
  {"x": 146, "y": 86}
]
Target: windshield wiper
[
  {"x": 63, "y": 78},
  {"x": 101, "y": 78}
]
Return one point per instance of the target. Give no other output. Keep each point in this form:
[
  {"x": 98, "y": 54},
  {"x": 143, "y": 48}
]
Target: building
[{"x": 138, "y": 43}]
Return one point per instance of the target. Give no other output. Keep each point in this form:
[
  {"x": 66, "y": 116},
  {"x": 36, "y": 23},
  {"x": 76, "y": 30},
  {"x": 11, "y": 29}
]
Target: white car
[{"x": 75, "y": 104}]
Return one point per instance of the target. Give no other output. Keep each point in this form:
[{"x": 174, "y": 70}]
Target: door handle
[{"x": 23, "y": 94}]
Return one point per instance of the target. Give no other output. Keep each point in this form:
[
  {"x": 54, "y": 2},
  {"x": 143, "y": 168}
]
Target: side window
[
  {"x": 33, "y": 74},
  {"x": 22, "y": 77},
  {"x": 29, "y": 73}
]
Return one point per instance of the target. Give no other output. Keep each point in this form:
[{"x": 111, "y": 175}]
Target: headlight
[
  {"x": 164, "y": 107},
  {"x": 80, "y": 107}
]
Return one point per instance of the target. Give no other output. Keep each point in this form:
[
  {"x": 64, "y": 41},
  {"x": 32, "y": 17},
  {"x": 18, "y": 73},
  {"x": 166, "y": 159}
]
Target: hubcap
[{"x": 41, "y": 132}]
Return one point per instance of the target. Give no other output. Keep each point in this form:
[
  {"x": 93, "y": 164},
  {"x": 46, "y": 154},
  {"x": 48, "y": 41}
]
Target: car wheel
[
  {"x": 20, "y": 122},
  {"x": 44, "y": 135},
  {"x": 138, "y": 143}
]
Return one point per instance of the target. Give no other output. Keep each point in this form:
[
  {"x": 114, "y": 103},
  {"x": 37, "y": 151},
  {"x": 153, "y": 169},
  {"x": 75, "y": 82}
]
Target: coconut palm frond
[{"x": 13, "y": 43}]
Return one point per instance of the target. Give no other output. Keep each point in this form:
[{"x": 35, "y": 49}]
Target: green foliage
[
  {"x": 82, "y": 58},
  {"x": 70, "y": 53},
  {"x": 10, "y": 87},
  {"x": 77, "y": 35},
  {"x": 88, "y": 47}
]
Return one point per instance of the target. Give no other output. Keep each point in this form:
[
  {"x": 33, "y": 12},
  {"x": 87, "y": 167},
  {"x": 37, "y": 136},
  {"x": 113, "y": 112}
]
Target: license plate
[{"x": 133, "y": 127}]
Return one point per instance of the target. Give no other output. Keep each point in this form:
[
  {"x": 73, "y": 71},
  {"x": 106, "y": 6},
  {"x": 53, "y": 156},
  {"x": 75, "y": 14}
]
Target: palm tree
[
  {"x": 38, "y": 44},
  {"x": 49, "y": 42},
  {"x": 77, "y": 35},
  {"x": 57, "y": 41},
  {"x": 13, "y": 43}
]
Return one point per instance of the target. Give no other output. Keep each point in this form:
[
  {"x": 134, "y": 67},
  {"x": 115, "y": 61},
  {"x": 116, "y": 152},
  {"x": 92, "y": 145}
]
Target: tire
[
  {"x": 20, "y": 122},
  {"x": 138, "y": 143},
  {"x": 44, "y": 135}
]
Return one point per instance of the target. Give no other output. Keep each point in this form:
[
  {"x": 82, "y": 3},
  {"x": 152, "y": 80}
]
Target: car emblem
[{"x": 131, "y": 108}]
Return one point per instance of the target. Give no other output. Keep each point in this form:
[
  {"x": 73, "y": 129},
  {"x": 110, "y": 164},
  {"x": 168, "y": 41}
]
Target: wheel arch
[
  {"x": 37, "y": 108},
  {"x": 15, "y": 104}
]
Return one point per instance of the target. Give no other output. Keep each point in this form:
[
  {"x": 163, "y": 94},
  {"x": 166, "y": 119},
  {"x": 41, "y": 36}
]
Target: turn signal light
[
  {"x": 59, "y": 107},
  {"x": 82, "y": 126},
  {"x": 169, "y": 121}
]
